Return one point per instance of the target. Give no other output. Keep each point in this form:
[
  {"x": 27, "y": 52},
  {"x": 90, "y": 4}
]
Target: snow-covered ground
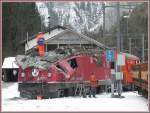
[{"x": 103, "y": 102}]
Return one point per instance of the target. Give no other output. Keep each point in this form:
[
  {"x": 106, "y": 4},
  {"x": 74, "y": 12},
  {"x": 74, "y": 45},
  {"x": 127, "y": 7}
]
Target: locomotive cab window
[
  {"x": 61, "y": 68},
  {"x": 73, "y": 63},
  {"x": 112, "y": 65}
]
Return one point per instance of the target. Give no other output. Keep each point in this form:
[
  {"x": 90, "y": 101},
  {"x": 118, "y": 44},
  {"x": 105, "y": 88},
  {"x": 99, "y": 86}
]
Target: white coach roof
[{"x": 9, "y": 62}]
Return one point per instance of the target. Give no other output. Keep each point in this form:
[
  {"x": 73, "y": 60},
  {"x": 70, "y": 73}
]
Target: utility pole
[
  {"x": 130, "y": 39},
  {"x": 49, "y": 23},
  {"x": 118, "y": 27},
  {"x": 118, "y": 37},
  {"x": 41, "y": 24},
  {"x": 118, "y": 6},
  {"x": 103, "y": 6},
  {"x": 142, "y": 40},
  {"x": 127, "y": 26},
  {"x": 143, "y": 56},
  {"x": 103, "y": 33},
  {"x": 122, "y": 37},
  {"x": 27, "y": 42},
  {"x": 118, "y": 82}
]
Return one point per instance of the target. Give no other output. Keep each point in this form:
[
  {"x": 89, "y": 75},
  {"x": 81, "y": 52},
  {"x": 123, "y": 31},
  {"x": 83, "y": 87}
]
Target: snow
[
  {"x": 103, "y": 102},
  {"x": 9, "y": 62},
  {"x": 71, "y": 13},
  {"x": 43, "y": 11}
]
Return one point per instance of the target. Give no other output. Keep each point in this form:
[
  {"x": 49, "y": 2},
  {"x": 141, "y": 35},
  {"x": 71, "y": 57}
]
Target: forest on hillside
[
  {"x": 135, "y": 27},
  {"x": 18, "y": 18}
]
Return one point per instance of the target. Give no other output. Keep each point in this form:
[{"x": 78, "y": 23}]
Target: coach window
[{"x": 73, "y": 63}]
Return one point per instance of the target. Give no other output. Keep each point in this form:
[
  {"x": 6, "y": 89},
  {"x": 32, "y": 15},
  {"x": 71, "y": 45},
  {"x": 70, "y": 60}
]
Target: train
[
  {"x": 130, "y": 61},
  {"x": 140, "y": 78},
  {"x": 65, "y": 76}
]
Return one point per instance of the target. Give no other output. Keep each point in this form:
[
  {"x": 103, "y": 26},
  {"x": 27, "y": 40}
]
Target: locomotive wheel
[
  {"x": 66, "y": 92},
  {"x": 98, "y": 90},
  {"x": 61, "y": 93},
  {"x": 144, "y": 93},
  {"x": 27, "y": 95},
  {"x": 5, "y": 78},
  {"x": 70, "y": 92},
  {"x": 139, "y": 91},
  {"x": 55, "y": 94}
]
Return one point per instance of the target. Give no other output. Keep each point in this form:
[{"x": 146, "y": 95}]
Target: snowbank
[{"x": 103, "y": 102}]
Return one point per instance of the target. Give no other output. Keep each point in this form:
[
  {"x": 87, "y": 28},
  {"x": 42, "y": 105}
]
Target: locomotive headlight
[
  {"x": 67, "y": 76},
  {"x": 49, "y": 74},
  {"x": 35, "y": 72},
  {"x": 22, "y": 74},
  {"x": 14, "y": 72}
]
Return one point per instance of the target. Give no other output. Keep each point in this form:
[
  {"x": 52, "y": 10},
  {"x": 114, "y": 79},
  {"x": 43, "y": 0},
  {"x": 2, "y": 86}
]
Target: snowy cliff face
[
  {"x": 81, "y": 16},
  {"x": 43, "y": 11}
]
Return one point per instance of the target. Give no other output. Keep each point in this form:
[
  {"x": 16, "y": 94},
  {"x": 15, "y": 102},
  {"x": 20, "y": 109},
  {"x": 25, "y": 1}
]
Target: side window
[
  {"x": 73, "y": 63},
  {"x": 112, "y": 65},
  {"x": 97, "y": 60},
  {"x": 62, "y": 69}
]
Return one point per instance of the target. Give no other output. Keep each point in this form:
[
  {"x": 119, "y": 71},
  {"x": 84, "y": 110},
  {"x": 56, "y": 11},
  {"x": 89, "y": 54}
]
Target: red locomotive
[{"x": 62, "y": 76}]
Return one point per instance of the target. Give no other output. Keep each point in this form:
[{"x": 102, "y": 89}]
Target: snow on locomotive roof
[{"x": 9, "y": 62}]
